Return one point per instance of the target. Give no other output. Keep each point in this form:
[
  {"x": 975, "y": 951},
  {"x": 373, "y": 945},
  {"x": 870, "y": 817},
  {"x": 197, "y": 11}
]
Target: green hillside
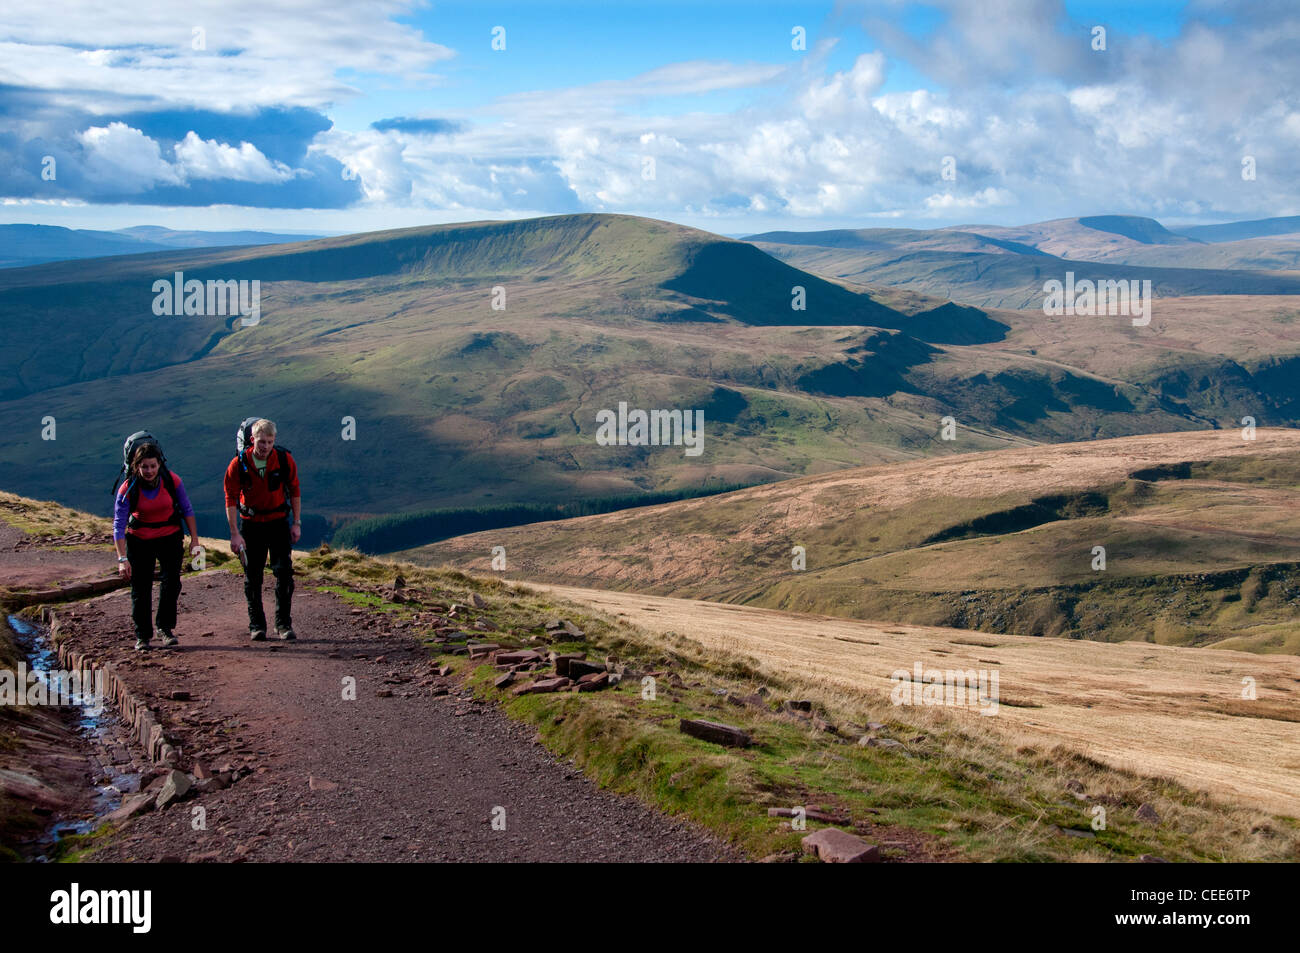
[{"x": 457, "y": 405}]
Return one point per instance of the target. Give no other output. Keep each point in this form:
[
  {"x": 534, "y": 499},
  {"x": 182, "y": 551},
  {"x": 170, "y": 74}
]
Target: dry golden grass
[
  {"x": 1152, "y": 710},
  {"x": 44, "y": 518},
  {"x": 708, "y": 547},
  {"x": 1244, "y": 327}
]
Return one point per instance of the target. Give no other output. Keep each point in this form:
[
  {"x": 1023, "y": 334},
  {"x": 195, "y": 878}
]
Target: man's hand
[
  {"x": 295, "y": 533},
  {"x": 236, "y": 542}
]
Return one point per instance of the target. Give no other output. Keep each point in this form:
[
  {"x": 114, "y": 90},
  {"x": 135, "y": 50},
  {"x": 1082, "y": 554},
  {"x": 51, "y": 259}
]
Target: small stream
[{"x": 94, "y": 723}]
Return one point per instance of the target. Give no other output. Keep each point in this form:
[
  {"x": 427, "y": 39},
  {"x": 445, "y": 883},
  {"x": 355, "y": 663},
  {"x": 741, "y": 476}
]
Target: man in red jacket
[{"x": 262, "y": 487}]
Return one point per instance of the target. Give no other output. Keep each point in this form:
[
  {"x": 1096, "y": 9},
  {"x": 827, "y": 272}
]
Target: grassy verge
[
  {"x": 945, "y": 794},
  {"x": 43, "y": 518}
]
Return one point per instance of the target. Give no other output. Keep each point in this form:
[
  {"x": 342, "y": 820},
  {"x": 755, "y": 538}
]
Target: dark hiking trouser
[
  {"x": 141, "y": 554},
  {"x": 262, "y": 538}
]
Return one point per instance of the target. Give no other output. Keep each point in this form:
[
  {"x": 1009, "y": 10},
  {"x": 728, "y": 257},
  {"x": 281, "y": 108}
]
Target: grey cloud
[{"x": 418, "y": 126}]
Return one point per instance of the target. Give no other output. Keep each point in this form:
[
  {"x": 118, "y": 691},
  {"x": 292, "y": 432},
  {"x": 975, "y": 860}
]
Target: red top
[
  {"x": 152, "y": 511},
  {"x": 257, "y": 495}
]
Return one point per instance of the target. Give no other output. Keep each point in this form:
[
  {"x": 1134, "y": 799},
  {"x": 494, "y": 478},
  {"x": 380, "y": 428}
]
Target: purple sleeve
[
  {"x": 182, "y": 498},
  {"x": 121, "y": 513}
]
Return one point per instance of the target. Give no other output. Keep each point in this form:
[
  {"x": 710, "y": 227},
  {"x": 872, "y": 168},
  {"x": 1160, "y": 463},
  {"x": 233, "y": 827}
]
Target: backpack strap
[
  {"x": 275, "y": 478},
  {"x": 177, "y": 517}
]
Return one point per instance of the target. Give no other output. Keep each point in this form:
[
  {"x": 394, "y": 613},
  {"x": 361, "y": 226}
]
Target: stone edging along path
[{"x": 142, "y": 722}]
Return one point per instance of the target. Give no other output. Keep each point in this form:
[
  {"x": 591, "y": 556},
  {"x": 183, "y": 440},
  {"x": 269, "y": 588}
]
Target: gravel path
[{"x": 415, "y": 776}]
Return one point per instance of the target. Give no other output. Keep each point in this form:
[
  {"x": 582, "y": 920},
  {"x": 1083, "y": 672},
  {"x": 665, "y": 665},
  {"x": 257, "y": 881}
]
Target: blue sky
[
  {"x": 559, "y": 45},
  {"x": 330, "y": 117}
]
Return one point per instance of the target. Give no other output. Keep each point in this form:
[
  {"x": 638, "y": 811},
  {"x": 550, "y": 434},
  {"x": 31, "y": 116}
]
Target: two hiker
[{"x": 261, "y": 486}]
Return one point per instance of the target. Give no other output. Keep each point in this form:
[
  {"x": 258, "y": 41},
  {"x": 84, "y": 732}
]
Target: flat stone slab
[
  {"x": 577, "y": 668},
  {"x": 131, "y": 806},
  {"x": 834, "y": 846},
  {"x": 716, "y": 732},
  {"x": 543, "y": 687},
  {"x": 593, "y": 682},
  {"x": 562, "y": 662},
  {"x": 174, "y": 788}
]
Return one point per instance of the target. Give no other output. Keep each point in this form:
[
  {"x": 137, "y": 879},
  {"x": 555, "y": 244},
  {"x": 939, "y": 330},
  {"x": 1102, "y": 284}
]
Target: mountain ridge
[
  {"x": 475, "y": 357},
  {"x": 23, "y": 245}
]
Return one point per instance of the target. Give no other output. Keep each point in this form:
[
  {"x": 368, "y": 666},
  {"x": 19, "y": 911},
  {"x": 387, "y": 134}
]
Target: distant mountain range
[
  {"x": 22, "y": 245},
  {"x": 1005, "y": 267},
  {"x": 1239, "y": 231},
  {"x": 1096, "y": 238},
  {"x": 473, "y": 359}
]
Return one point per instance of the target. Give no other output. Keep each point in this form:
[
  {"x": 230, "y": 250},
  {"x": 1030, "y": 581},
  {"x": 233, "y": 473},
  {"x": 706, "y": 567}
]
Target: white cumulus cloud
[
  {"x": 984, "y": 198},
  {"x": 209, "y": 159},
  {"x": 126, "y": 157}
]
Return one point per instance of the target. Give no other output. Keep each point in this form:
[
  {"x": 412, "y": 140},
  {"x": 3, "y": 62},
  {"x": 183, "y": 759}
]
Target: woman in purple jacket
[{"x": 146, "y": 527}]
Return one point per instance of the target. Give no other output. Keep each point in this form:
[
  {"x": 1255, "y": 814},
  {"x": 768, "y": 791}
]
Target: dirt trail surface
[
  {"x": 1153, "y": 709},
  {"x": 399, "y": 773},
  {"x": 36, "y": 564}
]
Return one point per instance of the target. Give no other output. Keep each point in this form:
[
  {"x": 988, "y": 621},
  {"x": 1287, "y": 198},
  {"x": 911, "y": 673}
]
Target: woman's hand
[{"x": 124, "y": 570}]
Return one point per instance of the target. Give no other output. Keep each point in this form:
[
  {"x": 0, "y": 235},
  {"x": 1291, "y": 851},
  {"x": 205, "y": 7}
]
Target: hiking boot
[
  {"x": 258, "y": 635},
  {"x": 142, "y": 645},
  {"x": 286, "y": 634},
  {"x": 168, "y": 639}
]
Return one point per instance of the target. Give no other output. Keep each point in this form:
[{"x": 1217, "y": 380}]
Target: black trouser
[
  {"x": 260, "y": 538},
  {"x": 141, "y": 553}
]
